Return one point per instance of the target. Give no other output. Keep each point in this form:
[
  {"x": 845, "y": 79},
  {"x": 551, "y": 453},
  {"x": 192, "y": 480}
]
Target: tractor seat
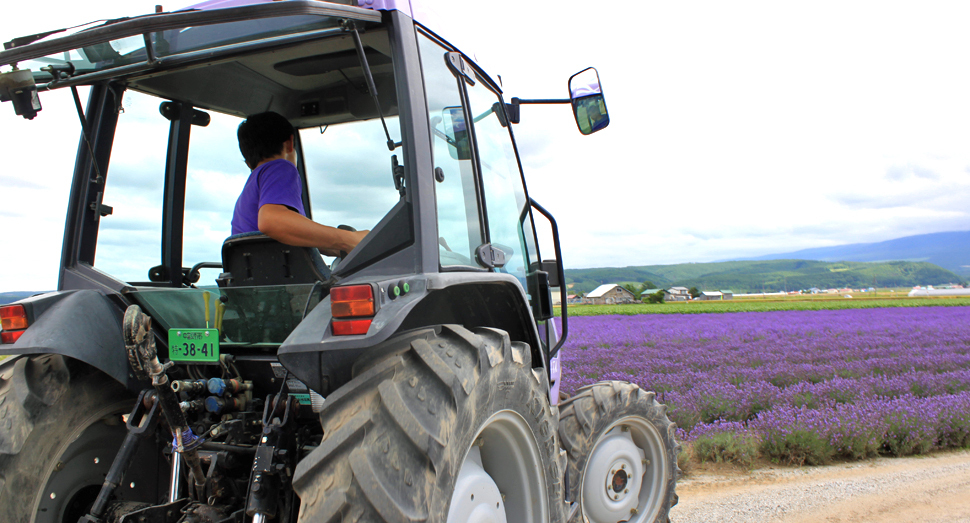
[{"x": 254, "y": 259}]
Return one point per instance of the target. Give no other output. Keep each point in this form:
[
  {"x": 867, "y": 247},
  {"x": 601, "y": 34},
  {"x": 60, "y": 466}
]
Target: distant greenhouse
[{"x": 939, "y": 292}]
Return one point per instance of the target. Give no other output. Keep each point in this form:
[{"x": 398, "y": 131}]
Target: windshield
[{"x": 130, "y": 50}]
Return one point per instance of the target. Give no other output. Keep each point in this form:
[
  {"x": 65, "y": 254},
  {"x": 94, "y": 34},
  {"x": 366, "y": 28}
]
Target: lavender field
[{"x": 792, "y": 386}]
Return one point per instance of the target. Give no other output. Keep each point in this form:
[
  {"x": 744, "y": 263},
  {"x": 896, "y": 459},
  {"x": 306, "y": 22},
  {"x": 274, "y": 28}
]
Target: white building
[{"x": 610, "y": 294}]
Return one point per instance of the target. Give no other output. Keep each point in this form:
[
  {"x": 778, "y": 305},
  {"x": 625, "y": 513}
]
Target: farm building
[
  {"x": 711, "y": 295},
  {"x": 610, "y": 294},
  {"x": 649, "y": 292},
  {"x": 676, "y": 294}
]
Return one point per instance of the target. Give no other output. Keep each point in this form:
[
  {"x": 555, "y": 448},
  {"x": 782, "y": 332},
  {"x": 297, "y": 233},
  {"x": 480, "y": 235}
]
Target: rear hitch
[{"x": 141, "y": 422}]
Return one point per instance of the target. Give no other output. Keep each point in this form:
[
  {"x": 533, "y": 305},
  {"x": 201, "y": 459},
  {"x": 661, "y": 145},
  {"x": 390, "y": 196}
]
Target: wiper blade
[
  {"x": 21, "y": 41},
  {"x": 29, "y": 39}
]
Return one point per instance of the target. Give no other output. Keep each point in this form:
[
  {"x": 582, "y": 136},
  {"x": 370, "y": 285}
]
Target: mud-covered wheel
[
  {"x": 622, "y": 454},
  {"x": 60, "y": 428},
  {"x": 442, "y": 425}
]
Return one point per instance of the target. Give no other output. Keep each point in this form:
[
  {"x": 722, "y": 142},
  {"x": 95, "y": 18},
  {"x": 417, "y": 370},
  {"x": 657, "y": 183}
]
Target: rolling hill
[{"x": 767, "y": 275}]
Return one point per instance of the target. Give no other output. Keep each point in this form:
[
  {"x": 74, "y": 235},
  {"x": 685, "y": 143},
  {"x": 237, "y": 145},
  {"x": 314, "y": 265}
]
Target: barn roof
[{"x": 601, "y": 290}]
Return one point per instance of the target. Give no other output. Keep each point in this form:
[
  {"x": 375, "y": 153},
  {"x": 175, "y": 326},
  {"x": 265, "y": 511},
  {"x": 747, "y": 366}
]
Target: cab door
[{"x": 484, "y": 215}]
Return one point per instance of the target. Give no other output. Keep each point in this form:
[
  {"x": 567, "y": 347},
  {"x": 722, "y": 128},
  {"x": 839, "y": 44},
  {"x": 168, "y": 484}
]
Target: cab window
[{"x": 456, "y": 191}]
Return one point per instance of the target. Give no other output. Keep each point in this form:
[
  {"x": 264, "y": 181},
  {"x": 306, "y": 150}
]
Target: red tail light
[
  {"x": 350, "y": 327},
  {"x": 352, "y": 301},
  {"x": 10, "y": 337},
  {"x": 13, "y": 321}
]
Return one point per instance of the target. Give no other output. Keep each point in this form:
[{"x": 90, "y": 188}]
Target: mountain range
[
  {"x": 926, "y": 259},
  {"x": 950, "y": 250}
]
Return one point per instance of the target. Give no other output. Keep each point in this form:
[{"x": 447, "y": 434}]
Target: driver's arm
[{"x": 292, "y": 228}]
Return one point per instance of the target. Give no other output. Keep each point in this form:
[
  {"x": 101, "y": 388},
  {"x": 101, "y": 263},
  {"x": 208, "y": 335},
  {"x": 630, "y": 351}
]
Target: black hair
[{"x": 261, "y": 136}]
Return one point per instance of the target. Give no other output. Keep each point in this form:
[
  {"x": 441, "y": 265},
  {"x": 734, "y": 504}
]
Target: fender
[
  {"x": 474, "y": 299},
  {"x": 84, "y": 325}
]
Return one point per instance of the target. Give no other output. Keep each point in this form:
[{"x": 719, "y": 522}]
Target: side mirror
[{"x": 589, "y": 106}]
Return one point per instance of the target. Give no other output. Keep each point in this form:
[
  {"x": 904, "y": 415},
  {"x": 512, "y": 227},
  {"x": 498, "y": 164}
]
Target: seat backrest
[{"x": 254, "y": 259}]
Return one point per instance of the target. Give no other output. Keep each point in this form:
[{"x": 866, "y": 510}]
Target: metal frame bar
[
  {"x": 161, "y": 22},
  {"x": 81, "y": 223},
  {"x": 416, "y": 137},
  {"x": 173, "y": 211},
  {"x": 562, "y": 279}
]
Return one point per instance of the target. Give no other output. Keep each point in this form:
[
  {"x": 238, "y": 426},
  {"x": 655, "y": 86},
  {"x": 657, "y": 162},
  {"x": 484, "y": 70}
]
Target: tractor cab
[{"x": 399, "y": 133}]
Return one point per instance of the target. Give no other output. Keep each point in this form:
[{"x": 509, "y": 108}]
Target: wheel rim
[
  {"x": 625, "y": 476},
  {"x": 75, "y": 478},
  {"x": 501, "y": 478}
]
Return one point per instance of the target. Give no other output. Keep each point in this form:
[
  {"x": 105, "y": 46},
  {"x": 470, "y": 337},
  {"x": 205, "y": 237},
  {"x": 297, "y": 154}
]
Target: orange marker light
[
  {"x": 352, "y": 301},
  {"x": 13, "y": 317}
]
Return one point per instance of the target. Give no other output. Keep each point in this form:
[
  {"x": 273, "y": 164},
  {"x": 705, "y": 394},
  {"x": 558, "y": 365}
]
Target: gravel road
[{"x": 927, "y": 489}]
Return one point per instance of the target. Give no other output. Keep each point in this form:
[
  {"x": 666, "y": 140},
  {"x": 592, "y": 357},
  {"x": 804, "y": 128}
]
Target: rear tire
[
  {"x": 398, "y": 434},
  {"x": 601, "y": 428},
  {"x": 60, "y": 428}
]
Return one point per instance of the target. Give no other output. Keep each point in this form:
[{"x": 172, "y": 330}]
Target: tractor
[{"x": 181, "y": 374}]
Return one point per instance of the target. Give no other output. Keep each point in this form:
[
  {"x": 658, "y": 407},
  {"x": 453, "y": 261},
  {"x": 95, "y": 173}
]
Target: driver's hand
[
  {"x": 356, "y": 237},
  {"x": 360, "y": 236}
]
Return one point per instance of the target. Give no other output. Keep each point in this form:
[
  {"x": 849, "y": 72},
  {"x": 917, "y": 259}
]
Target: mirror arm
[
  {"x": 512, "y": 109},
  {"x": 542, "y": 101}
]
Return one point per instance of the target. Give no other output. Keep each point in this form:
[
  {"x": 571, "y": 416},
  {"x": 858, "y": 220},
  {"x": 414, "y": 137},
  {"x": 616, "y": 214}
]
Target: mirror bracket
[{"x": 459, "y": 67}]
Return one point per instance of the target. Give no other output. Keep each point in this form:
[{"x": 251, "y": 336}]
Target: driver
[{"x": 272, "y": 202}]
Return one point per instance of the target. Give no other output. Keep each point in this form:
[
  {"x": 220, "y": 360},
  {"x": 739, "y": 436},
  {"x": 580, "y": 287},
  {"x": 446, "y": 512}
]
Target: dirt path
[{"x": 927, "y": 489}]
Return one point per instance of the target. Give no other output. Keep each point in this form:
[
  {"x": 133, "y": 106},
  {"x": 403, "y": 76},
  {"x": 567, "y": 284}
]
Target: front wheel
[
  {"x": 442, "y": 425},
  {"x": 622, "y": 454}
]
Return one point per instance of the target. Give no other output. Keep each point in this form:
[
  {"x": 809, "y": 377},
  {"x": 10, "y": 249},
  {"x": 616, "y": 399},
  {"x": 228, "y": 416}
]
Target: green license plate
[{"x": 193, "y": 345}]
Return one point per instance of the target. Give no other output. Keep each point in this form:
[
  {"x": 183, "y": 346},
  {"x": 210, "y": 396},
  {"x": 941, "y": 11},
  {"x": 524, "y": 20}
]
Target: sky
[{"x": 737, "y": 128}]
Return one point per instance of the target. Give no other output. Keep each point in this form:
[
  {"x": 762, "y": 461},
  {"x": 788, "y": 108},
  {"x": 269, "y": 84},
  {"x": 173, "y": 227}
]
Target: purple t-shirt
[{"x": 275, "y": 182}]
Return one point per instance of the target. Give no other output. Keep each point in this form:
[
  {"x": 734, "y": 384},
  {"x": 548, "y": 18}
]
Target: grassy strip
[
  {"x": 699, "y": 307},
  {"x": 804, "y": 447}
]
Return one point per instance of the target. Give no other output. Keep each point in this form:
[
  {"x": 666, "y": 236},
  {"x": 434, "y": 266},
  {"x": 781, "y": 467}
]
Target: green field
[{"x": 764, "y": 305}]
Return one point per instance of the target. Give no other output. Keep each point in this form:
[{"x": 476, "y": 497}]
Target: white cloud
[{"x": 737, "y": 128}]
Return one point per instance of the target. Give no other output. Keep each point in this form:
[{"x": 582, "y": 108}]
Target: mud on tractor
[{"x": 415, "y": 378}]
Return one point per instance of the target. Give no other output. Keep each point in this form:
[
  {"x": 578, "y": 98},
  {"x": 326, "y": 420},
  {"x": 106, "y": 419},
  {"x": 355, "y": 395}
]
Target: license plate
[{"x": 193, "y": 345}]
